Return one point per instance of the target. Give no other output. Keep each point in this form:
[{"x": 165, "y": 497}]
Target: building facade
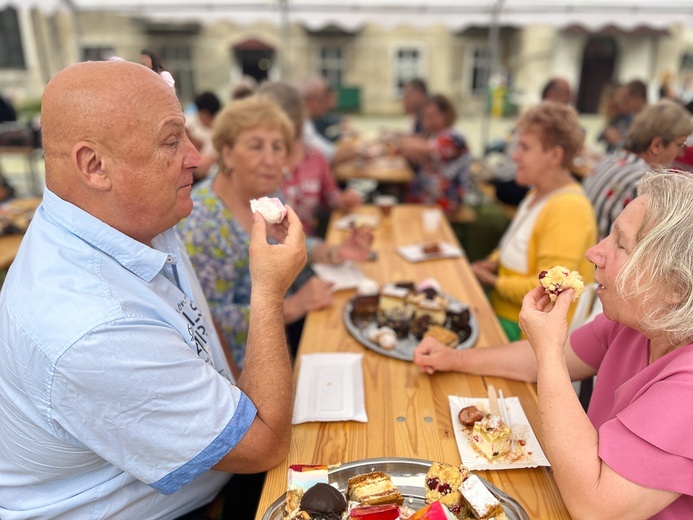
[{"x": 367, "y": 65}]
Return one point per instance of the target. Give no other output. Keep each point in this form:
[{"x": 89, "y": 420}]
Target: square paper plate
[
  {"x": 357, "y": 219},
  {"x": 527, "y": 452},
  {"x": 414, "y": 252},
  {"x": 343, "y": 276},
  {"x": 330, "y": 388}
]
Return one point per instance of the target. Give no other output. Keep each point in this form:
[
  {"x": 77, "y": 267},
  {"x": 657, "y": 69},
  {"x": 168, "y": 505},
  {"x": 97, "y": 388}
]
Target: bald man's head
[
  {"x": 557, "y": 89},
  {"x": 115, "y": 146},
  {"x": 92, "y": 101}
]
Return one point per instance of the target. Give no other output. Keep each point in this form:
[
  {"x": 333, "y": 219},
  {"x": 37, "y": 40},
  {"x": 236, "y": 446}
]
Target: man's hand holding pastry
[{"x": 273, "y": 268}]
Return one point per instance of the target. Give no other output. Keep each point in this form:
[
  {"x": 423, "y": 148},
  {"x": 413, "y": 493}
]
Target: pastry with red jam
[{"x": 558, "y": 279}]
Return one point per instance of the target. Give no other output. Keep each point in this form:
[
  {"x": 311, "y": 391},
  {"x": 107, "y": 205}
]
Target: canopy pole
[
  {"x": 493, "y": 44},
  {"x": 78, "y": 27},
  {"x": 285, "y": 37}
]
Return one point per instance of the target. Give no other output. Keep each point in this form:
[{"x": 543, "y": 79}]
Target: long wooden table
[
  {"x": 408, "y": 412},
  {"x": 9, "y": 244},
  {"x": 30, "y": 154},
  {"x": 385, "y": 169}
]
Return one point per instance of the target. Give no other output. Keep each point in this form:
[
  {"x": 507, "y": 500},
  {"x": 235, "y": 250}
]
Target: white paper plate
[
  {"x": 532, "y": 455},
  {"x": 353, "y": 219},
  {"x": 414, "y": 252},
  {"x": 344, "y": 276},
  {"x": 330, "y": 388}
]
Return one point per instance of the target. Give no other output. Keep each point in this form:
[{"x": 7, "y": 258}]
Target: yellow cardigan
[{"x": 565, "y": 228}]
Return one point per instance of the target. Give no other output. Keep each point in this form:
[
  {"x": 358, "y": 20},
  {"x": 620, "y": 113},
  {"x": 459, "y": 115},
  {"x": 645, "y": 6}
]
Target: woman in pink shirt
[{"x": 630, "y": 456}]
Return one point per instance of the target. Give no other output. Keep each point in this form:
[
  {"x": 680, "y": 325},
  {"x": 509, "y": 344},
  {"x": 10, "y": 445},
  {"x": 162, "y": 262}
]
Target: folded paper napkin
[{"x": 330, "y": 388}]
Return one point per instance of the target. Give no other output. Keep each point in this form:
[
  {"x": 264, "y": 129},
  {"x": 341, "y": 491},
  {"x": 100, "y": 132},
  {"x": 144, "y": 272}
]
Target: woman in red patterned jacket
[{"x": 443, "y": 157}]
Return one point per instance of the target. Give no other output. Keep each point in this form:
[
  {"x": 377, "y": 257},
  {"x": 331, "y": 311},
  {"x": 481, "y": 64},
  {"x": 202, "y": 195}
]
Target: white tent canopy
[{"x": 353, "y": 14}]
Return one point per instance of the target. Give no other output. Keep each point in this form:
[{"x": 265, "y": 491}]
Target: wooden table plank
[
  {"x": 408, "y": 412},
  {"x": 389, "y": 170},
  {"x": 9, "y": 244}
]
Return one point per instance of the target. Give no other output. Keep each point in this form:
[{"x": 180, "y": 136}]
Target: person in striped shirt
[{"x": 657, "y": 136}]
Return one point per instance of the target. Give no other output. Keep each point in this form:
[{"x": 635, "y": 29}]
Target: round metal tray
[
  {"x": 408, "y": 475},
  {"x": 404, "y": 349}
]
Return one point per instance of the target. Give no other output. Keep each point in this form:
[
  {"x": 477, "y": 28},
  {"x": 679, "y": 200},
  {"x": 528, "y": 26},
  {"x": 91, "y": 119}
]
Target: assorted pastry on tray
[
  {"x": 404, "y": 309},
  {"x": 452, "y": 493}
]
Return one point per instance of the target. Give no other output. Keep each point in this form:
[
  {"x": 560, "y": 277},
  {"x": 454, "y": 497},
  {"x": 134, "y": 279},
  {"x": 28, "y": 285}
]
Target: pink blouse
[{"x": 643, "y": 412}]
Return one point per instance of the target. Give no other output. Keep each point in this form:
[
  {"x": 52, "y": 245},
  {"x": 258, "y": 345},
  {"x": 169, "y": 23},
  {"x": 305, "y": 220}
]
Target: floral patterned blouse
[{"x": 218, "y": 248}]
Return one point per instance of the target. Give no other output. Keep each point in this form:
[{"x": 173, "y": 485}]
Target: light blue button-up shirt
[{"x": 115, "y": 396}]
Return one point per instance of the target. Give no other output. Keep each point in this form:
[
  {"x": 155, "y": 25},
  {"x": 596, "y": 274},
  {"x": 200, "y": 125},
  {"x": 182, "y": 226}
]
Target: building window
[
  {"x": 11, "y": 54},
  {"x": 481, "y": 69},
  {"x": 408, "y": 65},
  {"x": 178, "y": 61},
  {"x": 687, "y": 62},
  {"x": 332, "y": 65},
  {"x": 97, "y": 53}
]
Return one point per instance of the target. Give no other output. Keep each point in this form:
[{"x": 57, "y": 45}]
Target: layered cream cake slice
[
  {"x": 373, "y": 488},
  {"x": 491, "y": 437},
  {"x": 392, "y": 296}
]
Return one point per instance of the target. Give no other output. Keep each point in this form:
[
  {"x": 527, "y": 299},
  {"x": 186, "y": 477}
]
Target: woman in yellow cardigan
[{"x": 554, "y": 224}]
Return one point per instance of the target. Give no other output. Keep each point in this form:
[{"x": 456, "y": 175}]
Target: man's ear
[{"x": 90, "y": 165}]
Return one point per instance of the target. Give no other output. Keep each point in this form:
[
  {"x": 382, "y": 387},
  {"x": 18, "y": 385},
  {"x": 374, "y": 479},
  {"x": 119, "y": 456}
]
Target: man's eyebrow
[{"x": 172, "y": 123}]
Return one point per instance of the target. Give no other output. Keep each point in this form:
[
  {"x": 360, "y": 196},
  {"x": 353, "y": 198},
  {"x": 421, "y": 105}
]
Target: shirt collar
[{"x": 142, "y": 260}]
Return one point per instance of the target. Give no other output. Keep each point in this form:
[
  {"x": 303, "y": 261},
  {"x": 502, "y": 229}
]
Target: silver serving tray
[
  {"x": 408, "y": 475},
  {"x": 404, "y": 349}
]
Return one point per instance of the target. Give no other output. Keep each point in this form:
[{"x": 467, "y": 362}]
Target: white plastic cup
[{"x": 431, "y": 220}]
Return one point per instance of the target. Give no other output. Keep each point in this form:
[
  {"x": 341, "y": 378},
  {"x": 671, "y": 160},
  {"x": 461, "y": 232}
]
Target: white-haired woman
[{"x": 630, "y": 456}]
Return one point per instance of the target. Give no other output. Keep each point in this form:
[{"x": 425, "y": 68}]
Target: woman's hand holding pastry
[{"x": 545, "y": 323}]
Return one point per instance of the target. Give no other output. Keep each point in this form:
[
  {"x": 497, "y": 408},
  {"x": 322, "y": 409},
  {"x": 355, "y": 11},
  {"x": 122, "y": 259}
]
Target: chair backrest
[{"x": 588, "y": 306}]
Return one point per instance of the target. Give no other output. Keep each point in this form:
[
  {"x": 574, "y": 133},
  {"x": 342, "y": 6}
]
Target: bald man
[
  {"x": 557, "y": 89},
  {"x": 116, "y": 399}
]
